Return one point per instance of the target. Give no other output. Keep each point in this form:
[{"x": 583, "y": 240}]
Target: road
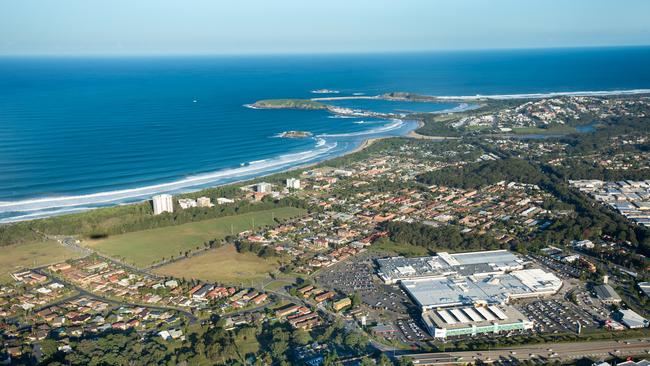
[
  {"x": 85, "y": 293},
  {"x": 597, "y": 350}
]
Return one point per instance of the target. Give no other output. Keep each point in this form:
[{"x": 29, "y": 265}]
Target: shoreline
[
  {"x": 478, "y": 97},
  {"x": 413, "y": 134},
  {"x": 52, "y": 211},
  {"x": 25, "y": 215}
]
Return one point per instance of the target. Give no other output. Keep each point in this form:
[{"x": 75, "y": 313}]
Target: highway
[{"x": 598, "y": 350}]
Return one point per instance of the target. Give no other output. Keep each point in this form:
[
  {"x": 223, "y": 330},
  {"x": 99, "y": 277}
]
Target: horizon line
[{"x": 315, "y": 53}]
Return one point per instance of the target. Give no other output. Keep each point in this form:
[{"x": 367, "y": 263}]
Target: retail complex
[{"x": 468, "y": 293}]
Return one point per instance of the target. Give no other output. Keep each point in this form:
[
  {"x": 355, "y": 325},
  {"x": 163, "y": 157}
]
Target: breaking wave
[
  {"x": 551, "y": 94},
  {"x": 64, "y": 204}
]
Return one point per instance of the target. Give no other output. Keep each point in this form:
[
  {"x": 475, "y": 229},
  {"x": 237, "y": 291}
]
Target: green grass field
[
  {"x": 143, "y": 248},
  {"x": 20, "y": 256},
  {"x": 554, "y": 130},
  {"x": 222, "y": 265}
]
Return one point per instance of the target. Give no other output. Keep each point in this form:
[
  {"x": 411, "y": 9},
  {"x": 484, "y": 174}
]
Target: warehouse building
[
  {"x": 631, "y": 319},
  {"x": 607, "y": 294}
]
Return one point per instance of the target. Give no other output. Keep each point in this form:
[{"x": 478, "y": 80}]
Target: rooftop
[
  {"x": 464, "y": 317},
  {"x": 491, "y": 289},
  {"x": 606, "y": 292},
  {"x": 444, "y": 264}
]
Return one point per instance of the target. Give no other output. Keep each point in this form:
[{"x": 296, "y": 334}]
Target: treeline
[
  {"x": 439, "y": 238},
  {"x": 484, "y": 173},
  {"x": 590, "y": 221},
  {"x": 257, "y": 344},
  {"x": 264, "y": 251},
  {"x": 594, "y": 219},
  {"x": 582, "y": 169},
  {"x": 128, "y": 218}
]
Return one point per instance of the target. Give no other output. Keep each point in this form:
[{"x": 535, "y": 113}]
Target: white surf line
[
  {"x": 192, "y": 181},
  {"x": 347, "y": 97},
  {"x": 585, "y": 93},
  {"x": 547, "y": 95}
]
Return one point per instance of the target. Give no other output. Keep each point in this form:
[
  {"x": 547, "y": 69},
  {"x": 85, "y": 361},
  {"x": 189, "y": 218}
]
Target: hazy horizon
[
  {"x": 203, "y": 27},
  {"x": 323, "y": 54}
]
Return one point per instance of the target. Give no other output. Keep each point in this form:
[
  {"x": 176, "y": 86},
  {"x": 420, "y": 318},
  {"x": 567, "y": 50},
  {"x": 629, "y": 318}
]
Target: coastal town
[{"x": 410, "y": 247}]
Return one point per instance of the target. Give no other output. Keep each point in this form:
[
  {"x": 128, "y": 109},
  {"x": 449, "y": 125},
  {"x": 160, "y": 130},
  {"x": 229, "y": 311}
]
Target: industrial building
[
  {"x": 631, "y": 319},
  {"x": 162, "y": 203},
  {"x": 607, "y": 294}
]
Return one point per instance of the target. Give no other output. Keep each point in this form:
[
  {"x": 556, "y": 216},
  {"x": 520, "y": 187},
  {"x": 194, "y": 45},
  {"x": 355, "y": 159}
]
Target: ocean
[{"x": 79, "y": 133}]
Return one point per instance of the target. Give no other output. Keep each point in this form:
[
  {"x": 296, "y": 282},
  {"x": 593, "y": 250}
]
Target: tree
[
  {"x": 384, "y": 360},
  {"x": 49, "y": 348},
  {"x": 301, "y": 337},
  {"x": 356, "y": 300}
]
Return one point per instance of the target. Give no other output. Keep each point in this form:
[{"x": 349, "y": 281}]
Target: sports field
[
  {"x": 222, "y": 265},
  {"x": 144, "y": 248},
  {"x": 20, "y": 256}
]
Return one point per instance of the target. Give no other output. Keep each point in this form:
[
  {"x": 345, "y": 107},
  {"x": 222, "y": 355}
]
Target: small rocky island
[
  {"x": 287, "y": 104},
  {"x": 295, "y": 134}
]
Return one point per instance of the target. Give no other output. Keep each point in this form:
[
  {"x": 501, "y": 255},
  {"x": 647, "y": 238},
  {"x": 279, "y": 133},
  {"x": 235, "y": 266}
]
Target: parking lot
[
  {"x": 561, "y": 269},
  {"x": 357, "y": 275},
  {"x": 411, "y": 331},
  {"x": 555, "y": 316}
]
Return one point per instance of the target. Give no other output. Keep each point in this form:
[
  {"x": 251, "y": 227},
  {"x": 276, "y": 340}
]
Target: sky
[{"x": 170, "y": 27}]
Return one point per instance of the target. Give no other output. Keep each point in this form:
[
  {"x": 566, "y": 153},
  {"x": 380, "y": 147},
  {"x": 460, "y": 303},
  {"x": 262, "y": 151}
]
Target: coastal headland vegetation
[{"x": 289, "y": 104}]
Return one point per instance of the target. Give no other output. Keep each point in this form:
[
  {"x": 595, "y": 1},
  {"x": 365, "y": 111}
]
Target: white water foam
[
  {"x": 551, "y": 94},
  {"x": 102, "y": 198},
  {"x": 396, "y": 124},
  {"x": 320, "y": 142},
  {"x": 257, "y": 161},
  {"x": 341, "y": 116}
]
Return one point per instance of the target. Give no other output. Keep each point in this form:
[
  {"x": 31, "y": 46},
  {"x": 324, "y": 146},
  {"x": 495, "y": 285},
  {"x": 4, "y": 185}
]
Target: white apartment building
[
  {"x": 263, "y": 187},
  {"x": 293, "y": 183},
  {"x": 162, "y": 203}
]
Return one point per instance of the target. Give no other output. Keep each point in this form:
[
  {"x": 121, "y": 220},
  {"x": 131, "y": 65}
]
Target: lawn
[
  {"x": 222, "y": 265},
  {"x": 553, "y": 130},
  {"x": 20, "y": 256},
  {"x": 143, "y": 248}
]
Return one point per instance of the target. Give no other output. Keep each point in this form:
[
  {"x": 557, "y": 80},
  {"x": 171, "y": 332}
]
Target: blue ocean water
[{"x": 77, "y": 133}]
